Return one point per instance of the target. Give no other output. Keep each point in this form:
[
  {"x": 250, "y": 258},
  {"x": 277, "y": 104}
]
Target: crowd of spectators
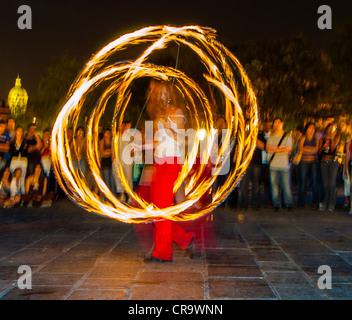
[{"x": 291, "y": 164}]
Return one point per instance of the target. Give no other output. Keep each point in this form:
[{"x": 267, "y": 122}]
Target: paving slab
[{"x": 251, "y": 255}]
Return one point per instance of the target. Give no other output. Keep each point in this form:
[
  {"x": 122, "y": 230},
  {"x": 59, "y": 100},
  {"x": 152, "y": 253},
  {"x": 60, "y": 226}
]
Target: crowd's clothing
[
  {"x": 280, "y": 160},
  {"x": 281, "y": 178},
  {"x": 79, "y": 156},
  {"x": 4, "y": 190},
  {"x": 46, "y": 160},
  {"x": 35, "y": 193},
  {"x": 33, "y": 157},
  {"x": 254, "y": 174},
  {"x": 19, "y": 157},
  {"x": 328, "y": 152},
  {"x": 106, "y": 168},
  {"x": 280, "y": 171},
  {"x": 3, "y": 141},
  {"x": 7, "y": 154},
  {"x": 329, "y": 170},
  {"x": 265, "y": 177},
  {"x": 309, "y": 156},
  {"x": 17, "y": 187},
  {"x": 126, "y": 167},
  {"x": 329, "y": 167},
  {"x": 308, "y": 168},
  {"x": 350, "y": 173}
]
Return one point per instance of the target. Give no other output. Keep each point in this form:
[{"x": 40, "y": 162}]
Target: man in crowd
[
  {"x": 279, "y": 146},
  {"x": 34, "y": 147},
  {"x": 265, "y": 133},
  {"x": 253, "y": 173}
]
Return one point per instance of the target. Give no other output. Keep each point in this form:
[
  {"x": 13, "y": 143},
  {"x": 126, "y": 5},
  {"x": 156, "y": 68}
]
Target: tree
[
  {"x": 53, "y": 88},
  {"x": 338, "y": 45},
  {"x": 291, "y": 76}
]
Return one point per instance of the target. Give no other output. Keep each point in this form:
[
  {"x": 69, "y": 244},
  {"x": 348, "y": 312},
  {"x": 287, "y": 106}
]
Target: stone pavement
[{"x": 76, "y": 255}]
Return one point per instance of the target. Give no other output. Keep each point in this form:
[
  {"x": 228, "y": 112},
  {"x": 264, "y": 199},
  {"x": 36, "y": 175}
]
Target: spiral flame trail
[{"x": 220, "y": 64}]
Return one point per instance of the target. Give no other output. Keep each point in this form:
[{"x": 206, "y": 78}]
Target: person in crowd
[
  {"x": 308, "y": 147},
  {"x": 105, "y": 149},
  {"x": 10, "y": 127},
  {"x": 279, "y": 146},
  {"x": 4, "y": 144},
  {"x": 35, "y": 188},
  {"x": 320, "y": 134},
  {"x": 69, "y": 133},
  {"x": 221, "y": 178},
  {"x": 265, "y": 178},
  {"x": 296, "y": 138},
  {"x": 5, "y": 184},
  {"x": 18, "y": 152},
  {"x": 34, "y": 146},
  {"x": 347, "y": 168},
  {"x": 329, "y": 166},
  {"x": 126, "y": 164},
  {"x": 253, "y": 174},
  {"x": 10, "y": 132},
  {"x": 45, "y": 152},
  {"x": 78, "y": 151},
  {"x": 17, "y": 188},
  {"x": 52, "y": 186}
]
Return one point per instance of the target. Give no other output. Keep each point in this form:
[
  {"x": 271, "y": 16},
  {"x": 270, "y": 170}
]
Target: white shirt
[
  {"x": 280, "y": 160},
  {"x": 167, "y": 146}
]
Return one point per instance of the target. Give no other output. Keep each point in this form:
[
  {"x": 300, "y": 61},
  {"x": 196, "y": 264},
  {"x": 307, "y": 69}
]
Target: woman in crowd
[
  {"x": 308, "y": 147},
  {"x": 78, "y": 151},
  {"x": 36, "y": 187},
  {"x": 5, "y": 184},
  {"x": 18, "y": 152},
  {"x": 17, "y": 189},
  {"x": 46, "y": 153},
  {"x": 105, "y": 149},
  {"x": 125, "y": 164},
  {"x": 329, "y": 166}
]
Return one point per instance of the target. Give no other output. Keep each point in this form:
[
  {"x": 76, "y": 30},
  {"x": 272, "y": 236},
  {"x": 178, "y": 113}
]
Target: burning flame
[{"x": 220, "y": 65}]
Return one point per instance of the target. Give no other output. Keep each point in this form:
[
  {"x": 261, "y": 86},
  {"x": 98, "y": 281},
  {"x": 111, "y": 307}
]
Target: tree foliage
[
  {"x": 53, "y": 88},
  {"x": 292, "y": 77}
]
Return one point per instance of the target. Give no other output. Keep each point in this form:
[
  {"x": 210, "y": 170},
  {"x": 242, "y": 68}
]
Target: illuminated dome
[{"x": 18, "y": 99}]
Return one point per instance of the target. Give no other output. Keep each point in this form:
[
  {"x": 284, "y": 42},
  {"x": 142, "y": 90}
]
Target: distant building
[
  {"x": 17, "y": 99},
  {"x": 4, "y": 110}
]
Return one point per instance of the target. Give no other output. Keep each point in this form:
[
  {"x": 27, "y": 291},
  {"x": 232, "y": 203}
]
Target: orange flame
[{"x": 220, "y": 65}]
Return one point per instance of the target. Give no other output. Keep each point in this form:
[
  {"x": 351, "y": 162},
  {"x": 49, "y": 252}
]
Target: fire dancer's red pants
[{"x": 166, "y": 231}]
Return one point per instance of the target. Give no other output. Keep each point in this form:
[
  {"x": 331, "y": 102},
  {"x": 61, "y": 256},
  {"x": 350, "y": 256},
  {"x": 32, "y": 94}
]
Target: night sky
[{"x": 83, "y": 27}]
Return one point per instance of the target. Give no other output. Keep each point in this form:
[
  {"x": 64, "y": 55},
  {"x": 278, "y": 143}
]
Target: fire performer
[{"x": 169, "y": 118}]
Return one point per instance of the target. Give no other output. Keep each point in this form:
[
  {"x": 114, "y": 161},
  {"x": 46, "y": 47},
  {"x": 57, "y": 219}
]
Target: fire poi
[{"x": 223, "y": 73}]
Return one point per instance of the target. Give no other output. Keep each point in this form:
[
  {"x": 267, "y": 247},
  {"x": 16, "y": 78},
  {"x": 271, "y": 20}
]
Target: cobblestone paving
[{"x": 76, "y": 255}]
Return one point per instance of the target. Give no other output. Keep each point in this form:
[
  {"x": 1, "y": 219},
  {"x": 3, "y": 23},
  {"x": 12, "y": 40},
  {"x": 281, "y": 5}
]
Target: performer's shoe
[{"x": 153, "y": 259}]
